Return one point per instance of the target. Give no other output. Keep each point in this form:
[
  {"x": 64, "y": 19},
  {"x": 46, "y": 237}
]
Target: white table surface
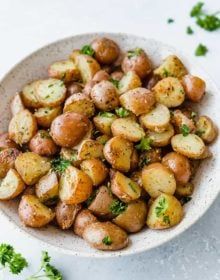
[{"x": 26, "y": 25}]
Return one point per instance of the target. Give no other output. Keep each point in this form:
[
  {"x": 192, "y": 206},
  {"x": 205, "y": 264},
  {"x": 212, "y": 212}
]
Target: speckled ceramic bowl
[{"x": 207, "y": 180}]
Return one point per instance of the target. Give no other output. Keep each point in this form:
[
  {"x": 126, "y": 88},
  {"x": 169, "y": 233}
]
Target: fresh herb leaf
[
  {"x": 197, "y": 10},
  {"x": 122, "y": 112},
  {"x": 135, "y": 52},
  {"x": 60, "y": 164},
  {"x": 193, "y": 115},
  {"x": 106, "y": 114},
  {"x": 165, "y": 73},
  {"x": 166, "y": 219},
  {"x": 184, "y": 129},
  {"x": 185, "y": 199},
  {"x": 117, "y": 207},
  {"x": 51, "y": 85},
  {"x": 161, "y": 208},
  {"x": 189, "y": 30},
  {"x": 87, "y": 49},
  {"x": 145, "y": 144},
  {"x": 200, "y": 132},
  {"x": 209, "y": 22},
  {"x": 115, "y": 82},
  {"x": 170, "y": 20},
  {"x": 132, "y": 185},
  {"x": 201, "y": 50},
  {"x": 107, "y": 240}
]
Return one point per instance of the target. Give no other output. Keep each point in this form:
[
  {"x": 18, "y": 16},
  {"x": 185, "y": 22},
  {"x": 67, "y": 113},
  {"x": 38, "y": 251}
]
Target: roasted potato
[
  {"x": 165, "y": 212},
  {"x": 29, "y": 95},
  {"x": 124, "y": 188},
  {"x": 106, "y": 50},
  {"x": 103, "y": 139},
  {"x": 31, "y": 167},
  {"x": 95, "y": 169},
  {"x": 83, "y": 219},
  {"x": 169, "y": 92},
  {"x": 129, "y": 81},
  {"x": 22, "y": 127},
  {"x": 11, "y": 186},
  {"x": 68, "y": 129},
  {"x": 139, "y": 100},
  {"x": 90, "y": 149},
  {"x": 133, "y": 218},
  {"x": 33, "y": 213},
  {"x": 118, "y": 152},
  {"x": 105, "y": 96},
  {"x": 184, "y": 190},
  {"x": 172, "y": 66},
  {"x": 101, "y": 75},
  {"x": 65, "y": 70},
  {"x": 105, "y": 236},
  {"x": 66, "y": 214},
  {"x": 6, "y": 142},
  {"x": 73, "y": 87},
  {"x": 151, "y": 156},
  {"x": 46, "y": 115},
  {"x": 206, "y": 129},
  {"x": 71, "y": 155},
  {"x": 179, "y": 119},
  {"x": 137, "y": 60},
  {"x": 7, "y": 160},
  {"x": 47, "y": 188},
  {"x": 104, "y": 121},
  {"x": 157, "y": 179},
  {"x": 42, "y": 144},
  {"x": 75, "y": 186},
  {"x": 206, "y": 154},
  {"x": 161, "y": 139},
  {"x": 179, "y": 165},
  {"x": 194, "y": 87},
  {"x": 157, "y": 119},
  {"x": 16, "y": 104},
  {"x": 191, "y": 146},
  {"x": 79, "y": 103}
]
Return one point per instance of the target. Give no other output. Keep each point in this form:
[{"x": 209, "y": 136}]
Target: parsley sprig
[
  {"x": 122, "y": 112},
  {"x": 201, "y": 50},
  {"x": 59, "y": 165},
  {"x": 106, "y": 114},
  {"x": 135, "y": 52},
  {"x": 87, "y": 49},
  {"x": 160, "y": 210},
  {"x": 115, "y": 82},
  {"x": 107, "y": 240},
  {"x": 184, "y": 130},
  {"x": 117, "y": 207},
  {"x": 145, "y": 144}
]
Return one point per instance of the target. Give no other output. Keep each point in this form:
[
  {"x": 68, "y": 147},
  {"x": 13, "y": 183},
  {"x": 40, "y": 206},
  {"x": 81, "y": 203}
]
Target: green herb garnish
[
  {"x": 135, "y": 52},
  {"x": 91, "y": 198},
  {"x": 117, "y": 207},
  {"x": 106, "y": 114},
  {"x": 87, "y": 49},
  {"x": 162, "y": 207},
  {"x": 199, "y": 132},
  {"x": 166, "y": 219},
  {"x": 132, "y": 185},
  {"x": 201, "y": 50},
  {"x": 145, "y": 144},
  {"x": 193, "y": 115},
  {"x": 170, "y": 20},
  {"x": 197, "y": 9},
  {"x": 60, "y": 164},
  {"x": 122, "y": 112},
  {"x": 115, "y": 82},
  {"x": 189, "y": 30},
  {"x": 51, "y": 85},
  {"x": 165, "y": 73},
  {"x": 107, "y": 240},
  {"x": 184, "y": 129}
]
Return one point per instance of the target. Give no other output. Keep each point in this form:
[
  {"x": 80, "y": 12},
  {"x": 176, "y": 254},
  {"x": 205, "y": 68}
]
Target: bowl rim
[{"x": 120, "y": 253}]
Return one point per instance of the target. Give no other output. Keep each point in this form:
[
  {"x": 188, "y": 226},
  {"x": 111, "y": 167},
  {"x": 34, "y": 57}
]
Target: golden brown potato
[
  {"x": 134, "y": 217},
  {"x": 68, "y": 129},
  {"x": 101, "y": 75},
  {"x": 179, "y": 165},
  {"x": 71, "y": 155},
  {"x": 66, "y": 214},
  {"x": 82, "y": 220},
  {"x": 90, "y": 149},
  {"x": 46, "y": 115},
  {"x": 179, "y": 119},
  {"x": 31, "y": 167},
  {"x": 105, "y": 236},
  {"x": 151, "y": 156},
  {"x": 103, "y": 122},
  {"x": 22, "y": 127},
  {"x": 6, "y": 142},
  {"x": 206, "y": 129},
  {"x": 206, "y": 154},
  {"x": 47, "y": 188},
  {"x": 79, "y": 103},
  {"x": 165, "y": 212},
  {"x": 172, "y": 66},
  {"x": 137, "y": 60},
  {"x": 73, "y": 87},
  {"x": 129, "y": 81},
  {"x": 124, "y": 188},
  {"x": 158, "y": 179},
  {"x": 105, "y": 96},
  {"x": 161, "y": 139},
  {"x": 194, "y": 87},
  {"x": 33, "y": 213},
  {"x": 191, "y": 146},
  {"x": 106, "y": 50},
  {"x": 42, "y": 144},
  {"x": 16, "y": 105},
  {"x": 29, "y": 95},
  {"x": 11, "y": 186},
  {"x": 65, "y": 70},
  {"x": 95, "y": 169},
  {"x": 139, "y": 100},
  {"x": 169, "y": 92},
  {"x": 127, "y": 128},
  {"x": 184, "y": 190},
  {"x": 100, "y": 205},
  {"x": 7, "y": 160},
  {"x": 118, "y": 152},
  {"x": 75, "y": 186}
]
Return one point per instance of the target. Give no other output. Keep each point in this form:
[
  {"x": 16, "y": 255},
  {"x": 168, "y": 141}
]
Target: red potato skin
[
  {"x": 73, "y": 87},
  {"x": 83, "y": 219},
  {"x": 7, "y": 160},
  {"x": 194, "y": 87},
  {"x": 101, "y": 75},
  {"x": 5, "y": 142}
]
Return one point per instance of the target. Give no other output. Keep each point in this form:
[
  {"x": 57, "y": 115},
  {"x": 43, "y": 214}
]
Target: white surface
[{"x": 28, "y": 24}]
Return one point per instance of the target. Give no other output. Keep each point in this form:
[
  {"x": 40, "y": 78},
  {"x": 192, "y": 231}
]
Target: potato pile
[{"x": 105, "y": 145}]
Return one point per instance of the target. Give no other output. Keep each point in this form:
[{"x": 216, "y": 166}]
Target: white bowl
[{"x": 207, "y": 180}]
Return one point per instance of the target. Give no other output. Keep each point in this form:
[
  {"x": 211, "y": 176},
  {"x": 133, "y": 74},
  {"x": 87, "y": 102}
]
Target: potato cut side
[
  {"x": 11, "y": 186},
  {"x": 124, "y": 188},
  {"x": 179, "y": 119},
  {"x": 79, "y": 103},
  {"x": 65, "y": 70},
  {"x": 206, "y": 129},
  {"x": 169, "y": 92},
  {"x": 22, "y": 127},
  {"x": 29, "y": 95},
  {"x": 118, "y": 152},
  {"x": 16, "y": 104},
  {"x": 103, "y": 123},
  {"x": 75, "y": 186},
  {"x": 161, "y": 139},
  {"x": 157, "y": 119},
  {"x": 87, "y": 66},
  {"x": 7, "y": 160},
  {"x": 191, "y": 146},
  {"x": 127, "y": 128},
  {"x": 50, "y": 92},
  {"x": 129, "y": 81},
  {"x": 90, "y": 149},
  {"x": 88, "y": 135},
  {"x": 46, "y": 115}
]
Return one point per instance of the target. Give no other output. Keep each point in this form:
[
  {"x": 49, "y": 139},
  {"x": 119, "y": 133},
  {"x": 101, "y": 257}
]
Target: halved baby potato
[
  {"x": 161, "y": 139},
  {"x": 75, "y": 186},
  {"x": 124, "y": 188},
  {"x": 50, "y": 92},
  {"x": 90, "y": 149},
  {"x": 165, "y": 212},
  {"x": 194, "y": 87},
  {"x": 7, "y": 160},
  {"x": 82, "y": 220},
  {"x": 103, "y": 122},
  {"x": 157, "y": 179},
  {"x": 16, "y": 104},
  {"x": 11, "y": 186},
  {"x": 179, "y": 119},
  {"x": 46, "y": 115},
  {"x": 127, "y": 128},
  {"x": 31, "y": 167},
  {"x": 118, "y": 152},
  {"x": 6, "y": 142},
  {"x": 65, "y": 70},
  {"x": 22, "y": 127},
  {"x": 191, "y": 146},
  {"x": 169, "y": 92},
  {"x": 33, "y": 213},
  {"x": 157, "y": 119},
  {"x": 29, "y": 95},
  {"x": 206, "y": 129},
  {"x": 129, "y": 81}
]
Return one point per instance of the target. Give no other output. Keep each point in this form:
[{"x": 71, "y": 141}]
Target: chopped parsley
[
  {"x": 145, "y": 144},
  {"x": 51, "y": 85},
  {"x": 106, "y": 114},
  {"x": 200, "y": 132},
  {"x": 87, "y": 49},
  {"x": 115, "y": 82},
  {"x": 117, "y": 207},
  {"x": 189, "y": 30},
  {"x": 59, "y": 165},
  {"x": 165, "y": 73},
  {"x": 161, "y": 209},
  {"x": 170, "y": 20},
  {"x": 144, "y": 160},
  {"x": 135, "y": 52},
  {"x": 91, "y": 198},
  {"x": 184, "y": 129},
  {"x": 122, "y": 112},
  {"x": 197, "y": 9},
  {"x": 166, "y": 219},
  {"x": 201, "y": 50},
  {"x": 107, "y": 240}
]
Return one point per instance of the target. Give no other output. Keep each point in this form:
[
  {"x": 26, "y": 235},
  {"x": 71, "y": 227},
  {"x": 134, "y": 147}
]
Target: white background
[{"x": 26, "y": 25}]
